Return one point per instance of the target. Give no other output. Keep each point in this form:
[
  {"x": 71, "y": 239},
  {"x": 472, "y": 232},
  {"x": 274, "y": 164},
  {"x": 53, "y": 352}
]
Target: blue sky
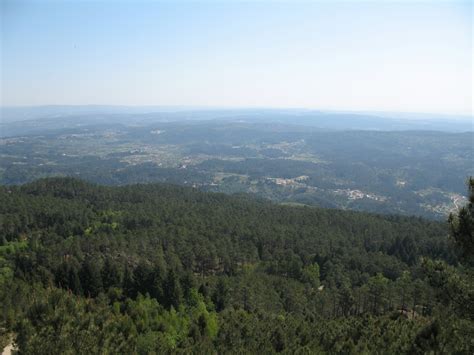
[{"x": 389, "y": 56}]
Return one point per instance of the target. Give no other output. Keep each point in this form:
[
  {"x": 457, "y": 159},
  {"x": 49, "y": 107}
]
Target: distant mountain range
[{"x": 37, "y": 119}]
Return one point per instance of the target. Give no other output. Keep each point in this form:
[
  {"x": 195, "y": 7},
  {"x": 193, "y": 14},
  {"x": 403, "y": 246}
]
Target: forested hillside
[
  {"x": 410, "y": 173},
  {"x": 165, "y": 269}
]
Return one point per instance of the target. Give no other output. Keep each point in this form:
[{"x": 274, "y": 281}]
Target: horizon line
[{"x": 230, "y": 107}]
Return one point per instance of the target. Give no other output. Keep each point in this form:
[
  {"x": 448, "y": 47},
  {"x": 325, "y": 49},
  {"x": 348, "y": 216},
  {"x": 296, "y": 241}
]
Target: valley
[{"x": 412, "y": 173}]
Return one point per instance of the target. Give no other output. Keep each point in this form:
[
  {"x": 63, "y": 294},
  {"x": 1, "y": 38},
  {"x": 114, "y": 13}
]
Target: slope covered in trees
[
  {"x": 159, "y": 269},
  {"x": 410, "y": 173}
]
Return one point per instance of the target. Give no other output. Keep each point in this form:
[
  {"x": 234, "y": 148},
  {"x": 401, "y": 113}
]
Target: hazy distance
[{"x": 404, "y": 56}]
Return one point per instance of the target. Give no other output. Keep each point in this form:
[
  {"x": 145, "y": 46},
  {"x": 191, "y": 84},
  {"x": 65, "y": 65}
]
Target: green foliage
[
  {"x": 162, "y": 269},
  {"x": 310, "y": 275},
  {"x": 10, "y": 248},
  {"x": 455, "y": 286},
  {"x": 403, "y": 167},
  {"x": 462, "y": 227}
]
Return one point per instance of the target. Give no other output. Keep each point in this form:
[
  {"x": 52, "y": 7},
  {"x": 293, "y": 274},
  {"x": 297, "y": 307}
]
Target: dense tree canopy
[{"x": 160, "y": 269}]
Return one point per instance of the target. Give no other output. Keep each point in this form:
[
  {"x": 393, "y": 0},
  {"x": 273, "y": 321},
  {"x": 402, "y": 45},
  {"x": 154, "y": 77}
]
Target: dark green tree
[
  {"x": 172, "y": 290},
  {"x": 90, "y": 277},
  {"x": 220, "y": 296},
  {"x": 462, "y": 227},
  {"x": 110, "y": 274}
]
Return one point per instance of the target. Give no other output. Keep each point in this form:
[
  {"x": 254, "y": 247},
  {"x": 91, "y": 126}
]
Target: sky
[{"x": 402, "y": 56}]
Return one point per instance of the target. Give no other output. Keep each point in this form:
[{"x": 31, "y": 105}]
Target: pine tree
[
  {"x": 221, "y": 295},
  {"x": 91, "y": 279},
  {"x": 462, "y": 227},
  {"x": 110, "y": 274},
  {"x": 172, "y": 290}
]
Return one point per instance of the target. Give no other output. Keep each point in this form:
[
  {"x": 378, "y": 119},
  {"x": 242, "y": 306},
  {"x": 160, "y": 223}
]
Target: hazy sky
[{"x": 397, "y": 56}]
